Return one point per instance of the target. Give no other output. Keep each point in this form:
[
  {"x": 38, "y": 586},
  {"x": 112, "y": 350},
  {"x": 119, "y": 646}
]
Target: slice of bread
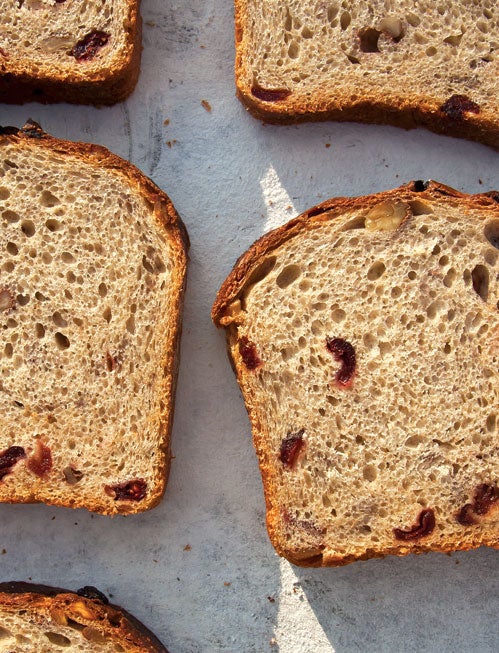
[
  {"x": 425, "y": 64},
  {"x": 41, "y": 619},
  {"x": 69, "y": 50},
  {"x": 93, "y": 263},
  {"x": 365, "y": 338}
]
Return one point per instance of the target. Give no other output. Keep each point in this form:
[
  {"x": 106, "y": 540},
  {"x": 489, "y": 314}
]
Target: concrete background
[{"x": 199, "y": 569}]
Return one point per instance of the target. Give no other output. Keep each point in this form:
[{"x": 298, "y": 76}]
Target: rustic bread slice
[
  {"x": 93, "y": 262},
  {"x": 365, "y": 338},
  {"x": 41, "y": 619},
  {"x": 69, "y": 50},
  {"x": 425, "y": 64}
]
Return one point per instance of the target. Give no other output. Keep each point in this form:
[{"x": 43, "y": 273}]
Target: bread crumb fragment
[{"x": 206, "y": 105}]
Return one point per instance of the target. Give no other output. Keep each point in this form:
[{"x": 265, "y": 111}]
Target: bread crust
[
  {"x": 223, "y": 315},
  {"x": 112, "y": 620},
  {"x": 169, "y": 222},
  {"x": 22, "y": 82},
  {"x": 398, "y": 108}
]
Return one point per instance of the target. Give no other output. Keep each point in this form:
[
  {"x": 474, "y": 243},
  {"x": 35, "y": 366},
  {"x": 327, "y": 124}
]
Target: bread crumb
[
  {"x": 227, "y": 584},
  {"x": 271, "y": 599},
  {"x": 273, "y": 641},
  {"x": 4, "y": 551},
  {"x": 206, "y": 105},
  {"x": 166, "y": 122},
  {"x": 170, "y": 143},
  {"x": 327, "y": 145},
  {"x": 150, "y": 23},
  {"x": 187, "y": 547}
]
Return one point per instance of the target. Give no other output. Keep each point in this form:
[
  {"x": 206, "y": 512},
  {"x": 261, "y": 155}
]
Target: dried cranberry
[
  {"x": 465, "y": 516},
  {"x": 270, "y": 94},
  {"x": 112, "y": 362},
  {"x": 343, "y": 352},
  {"x": 128, "y": 491},
  {"x": 40, "y": 462},
  {"x": 291, "y": 447},
  {"x": 457, "y": 105},
  {"x": 424, "y": 527},
  {"x": 485, "y": 496},
  {"x": 9, "y": 458},
  {"x": 248, "y": 352},
  {"x": 88, "y": 46}
]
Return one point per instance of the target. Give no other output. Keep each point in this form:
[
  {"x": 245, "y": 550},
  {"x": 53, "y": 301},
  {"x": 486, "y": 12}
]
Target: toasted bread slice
[
  {"x": 431, "y": 65},
  {"x": 69, "y": 50},
  {"x": 41, "y": 619},
  {"x": 365, "y": 338},
  {"x": 93, "y": 263}
]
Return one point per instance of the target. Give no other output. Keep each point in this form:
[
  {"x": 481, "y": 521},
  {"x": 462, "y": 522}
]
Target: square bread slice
[
  {"x": 92, "y": 274},
  {"x": 42, "y": 619},
  {"x": 69, "y": 50},
  {"x": 408, "y": 64},
  {"x": 365, "y": 339}
]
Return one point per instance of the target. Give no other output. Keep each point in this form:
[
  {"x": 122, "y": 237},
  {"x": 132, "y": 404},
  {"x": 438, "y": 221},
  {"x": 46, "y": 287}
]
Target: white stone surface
[{"x": 232, "y": 178}]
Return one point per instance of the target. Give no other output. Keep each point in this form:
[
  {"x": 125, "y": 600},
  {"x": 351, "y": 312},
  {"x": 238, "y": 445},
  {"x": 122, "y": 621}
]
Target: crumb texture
[
  {"x": 377, "y": 329},
  {"x": 89, "y": 299}
]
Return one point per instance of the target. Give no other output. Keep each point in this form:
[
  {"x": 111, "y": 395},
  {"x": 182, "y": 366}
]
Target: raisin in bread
[
  {"x": 93, "y": 262},
  {"x": 425, "y": 64},
  {"x": 41, "y": 619},
  {"x": 365, "y": 338},
  {"x": 69, "y": 50}
]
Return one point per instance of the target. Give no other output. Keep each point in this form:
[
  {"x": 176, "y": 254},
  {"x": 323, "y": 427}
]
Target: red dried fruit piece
[
  {"x": 457, "y": 105},
  {"x": 112, "y": 362},
  {"x": 89, "y": 45},
  {"x": 40, "y": 462},
  {"x": 485, "y": 496},
  {"x": 466, "y": 516},
  {"x": 424, "y": 527},
  {"x": 128, "y": 491},
  {"x": 310, "y": 527},
  {"x": 291, "y": 448},
  {"x": 343, "y": 352},
  {"x": 9, "y": 458},
  {"x": 270, "y": 94},
  {"x": 248, "y": 352}
]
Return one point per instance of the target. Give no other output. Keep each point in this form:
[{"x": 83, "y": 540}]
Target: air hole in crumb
[
  {"x": 39, "y": 330},
  {"x": 48, "y": 199},
  {"x": 12, "y": 248},
  {"x": 418, "y": 207},
  {"x": 368, "y": 39},
  {"x": 345, "y": 20},
  {"x": 67, "y": 257},
  {"x": 28, "y": 228},
  {"x": 11, "y": 216},
  {"x": 102, "y": 289},
  {"x": 260, "y": 272},
  {"x": 449, "y": 278},
  {"x": 57, "y": 639},
  {"x": 414, "y": 440},
  {"x": 59, "y": 320},
  {"x": 53, "y": 224},
  {"x": 376, "y": 270},
  {"x": 22, "y": 300},
  {"x": 491, "y": 423},
  {"x": 491, "y": 233},
  {"x": 480, "y": 279},
  {"x": 107, "y": 315},
  {"x": 288, "y": 276},
  {"x": 61, "y": 340},
  {"x": 130, "y": 325},
  {"x": 370, "y": 473},
  {"x": 357, "y": 223}
]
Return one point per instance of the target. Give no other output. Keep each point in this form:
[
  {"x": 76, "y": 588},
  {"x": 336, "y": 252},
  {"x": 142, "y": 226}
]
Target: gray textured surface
[{"x": 231, "y": 179}]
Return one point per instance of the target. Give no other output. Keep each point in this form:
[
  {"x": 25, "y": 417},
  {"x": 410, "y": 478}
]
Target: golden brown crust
[
  {"x": 107, "y": 86},
  {"x": 110, "y": 620},
  {"x": 233, "y": 290},
  {"x": 399, "y": 110},
  {"x": 168, "y": 221}
]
